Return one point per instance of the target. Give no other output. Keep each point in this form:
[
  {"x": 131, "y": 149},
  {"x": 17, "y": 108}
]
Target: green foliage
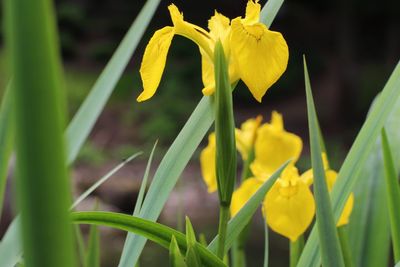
[{"x": 175, "y": 257}]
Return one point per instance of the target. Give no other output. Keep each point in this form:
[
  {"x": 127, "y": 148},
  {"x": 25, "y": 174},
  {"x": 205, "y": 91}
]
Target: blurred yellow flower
[
  {"x": 207, "y": 164},
  {"x": 255, "y": 54},
  {"x": 273, "y": 147},
  {"x": 288, "y": 207},
  {"x": 246, "y": 136},
  {"x": 331, "y": 177}
]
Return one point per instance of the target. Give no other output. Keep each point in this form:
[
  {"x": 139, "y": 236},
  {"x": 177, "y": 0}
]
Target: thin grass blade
[
  {"x": 181, "y": 150},
  {"x": 355, "y": 159},
  {"x": 93, "y": 252},
  {"x": 103, "y": 179},
  {"x": 175, "y": 257},
  {"x": 331, "y": 252},
  {"x": 156, "y": 232},
  {"x": 126, "y": 259}
]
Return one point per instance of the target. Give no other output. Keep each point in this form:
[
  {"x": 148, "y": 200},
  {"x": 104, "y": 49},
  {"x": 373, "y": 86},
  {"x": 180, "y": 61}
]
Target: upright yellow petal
[
  {"x": 273, "y": 147},
  {"x": 260, "y": 55},
  {"x": 246, "y": 190},
  {"x": 253, "y": 10},
  {"x": 153, "y": 62},
  {"x": 289, "y": 206},
  {"x": 191, "y": 31},
  {"x": 219, "y": 27},
  {"x": 246, "y": 135},
  {"x": 207, "y": 164}
]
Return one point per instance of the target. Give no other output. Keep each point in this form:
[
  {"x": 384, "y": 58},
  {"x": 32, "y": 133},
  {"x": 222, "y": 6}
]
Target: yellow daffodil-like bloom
[
  {"x": 255, "y": 54},
  {"x": 273, "y": 147},
  {"x": 331, "y": 177},
  {"x": 289, "y": 205},
  {"x": 207, "y": 164},
  {"x": 246, "y": 136}
]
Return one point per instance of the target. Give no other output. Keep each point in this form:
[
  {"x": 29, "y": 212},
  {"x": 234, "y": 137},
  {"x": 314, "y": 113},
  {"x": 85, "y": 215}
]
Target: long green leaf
[
  {"x": 331, "y": 253},
  {"x": 392, "y": 193},
  {"x": 181, "y": 150},
  {"x": 6, "y": 140},
  {"x": 10, "y": 245},
  {"x": 242, "y": 218},
  {"x": 93, "y": 251},
  {"x": 175, "y": 257},
  {"x": 355, "y": 159},
  {"x": 84, "y": 120},
  {"x": 43, "y": 188},
  {"x": 156, "y": 232}
]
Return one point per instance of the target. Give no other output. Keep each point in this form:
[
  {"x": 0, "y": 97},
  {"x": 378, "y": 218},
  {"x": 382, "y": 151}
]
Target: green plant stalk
[
  {"x": 225, "y": 142},
  {"x": 266, "y": 244},
  {"x": 296, "y": 248},
  {"x": 344, "y": 244},
  {"x": 392, "y": 193},
  {"x": 43, "y": 188},
  {"x": 331, "y": 253},
  {"x": 6, "y": 139}
]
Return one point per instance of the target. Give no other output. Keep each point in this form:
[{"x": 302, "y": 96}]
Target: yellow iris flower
[
  {"x": 331, "y": 177},
  {"x": 273, "y": 147},
  {"x": 255, "y": 54},
  {"x": 247, "y": 135},
  {"x": 288, "y": 207}
]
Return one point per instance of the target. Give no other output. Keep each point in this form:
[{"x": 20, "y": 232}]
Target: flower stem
[
  {"x": 296, "y": 248},
  {"x": 223, "y": 224}
]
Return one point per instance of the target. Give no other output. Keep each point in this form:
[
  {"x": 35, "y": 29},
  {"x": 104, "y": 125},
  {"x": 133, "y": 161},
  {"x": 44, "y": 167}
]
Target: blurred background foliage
[{"x": 351, "y": 46}]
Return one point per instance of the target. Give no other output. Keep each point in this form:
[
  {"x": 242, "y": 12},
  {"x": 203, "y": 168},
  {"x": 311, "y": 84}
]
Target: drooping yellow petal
[
  {"x": 207, "y": 164},
  {"x": 273, "y": 147},
  {"x": 153, "y": 62},
  {"x": 253, "y": 9},
  {"x": 207, "y": 74},
  {"x": 246, "y": 135},
  {"x": 243, "y": 194},
  {"x": 260, "y": 55},
  {"x": 331, "y": 177},
  {"x": 289, "y": 206},
  {"x": 191, "y": 31}
]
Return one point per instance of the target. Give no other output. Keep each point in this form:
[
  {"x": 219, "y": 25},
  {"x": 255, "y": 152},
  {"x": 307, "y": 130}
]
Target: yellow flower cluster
[
  {"x": 289, "y": 206},
  {"x": 247, "y": 43}
]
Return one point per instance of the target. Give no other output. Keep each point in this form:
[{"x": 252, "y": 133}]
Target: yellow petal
[
  {"x": 243, "y": 194},
  {"x": 331, "y": 177},
  {"x": 308, "y": 177},
  {"x": 191, "y": 31},
  {"x": 253, "y": 9},
  {"x": 153, "y": 62},
  {"x": 207, "y": 164},
  {"x": 219, "y": 27},
  {"x": 245, "y": 137},
  {"x": 260, "y": 55},
  {"x": 207, "y": 71},
  {"x": 273, "y": 147},
  {"x": 290, "y": 215}
]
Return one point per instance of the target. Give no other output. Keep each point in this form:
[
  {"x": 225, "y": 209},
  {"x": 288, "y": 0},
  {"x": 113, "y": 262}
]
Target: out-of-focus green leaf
[
  {"x": 156, "y": 232},
  {"x": 355, "y": 160},
  {"x": 93, "y": 252},
  {"x": 192, "y": 256}
]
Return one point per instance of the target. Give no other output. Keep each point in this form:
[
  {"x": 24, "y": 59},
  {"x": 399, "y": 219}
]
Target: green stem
[
  {"x": 344, "y": 244},
  {"x": 223, "y": 225},
  {"x": 296, "y": 248},
  {"x": 238, "y": 255}
]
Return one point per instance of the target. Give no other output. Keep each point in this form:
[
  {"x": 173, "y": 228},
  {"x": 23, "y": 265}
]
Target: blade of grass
[
  {"x": 125, "y": 259},
  {"x": 355, "y": 159},
  {"x": 178, "y": 155},
  {"x": 6, "y": 140},
  {"x": 93, "y": 252},
  {"x": 266, "y": 245},
  {"x": 242, "y": 218},
  {"x": 10, "y": 245},
  {"x": 83, "y": 121},
  {"x": 156, "y": 232},
  {"x": 331, "y": 253},
  {"x": 43, "y": 188},
  {"x": 103, "y": 179},
  {"x": 392, "y": 193}
]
